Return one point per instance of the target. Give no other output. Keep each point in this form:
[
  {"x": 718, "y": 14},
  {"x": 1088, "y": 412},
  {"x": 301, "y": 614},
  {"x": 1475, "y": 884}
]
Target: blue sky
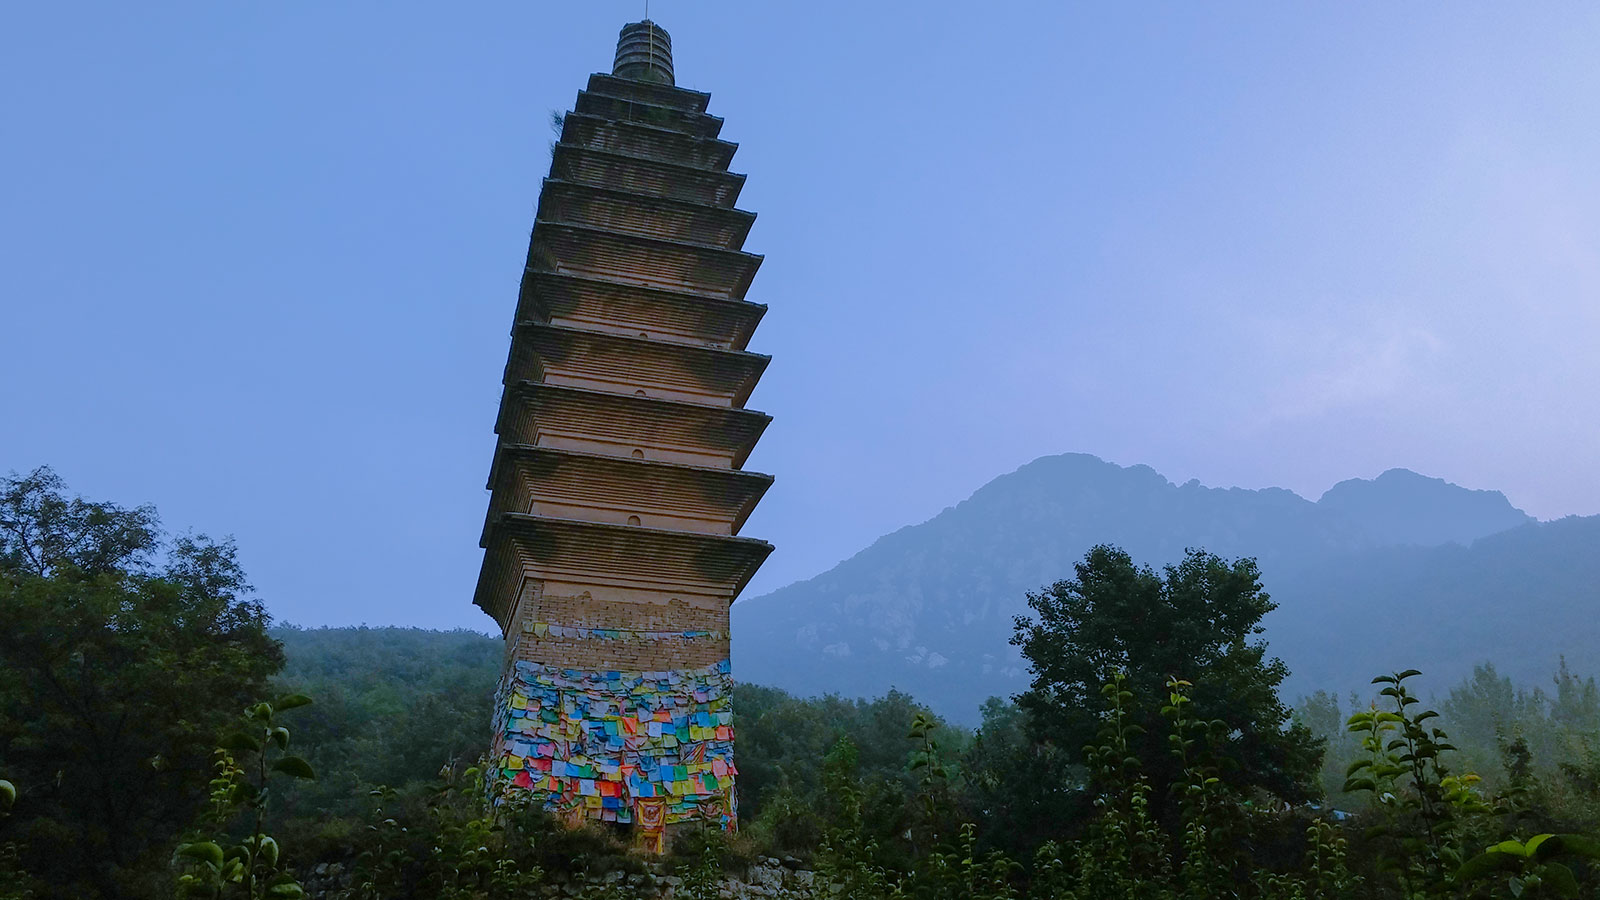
[{"x": 258, "y": 261}]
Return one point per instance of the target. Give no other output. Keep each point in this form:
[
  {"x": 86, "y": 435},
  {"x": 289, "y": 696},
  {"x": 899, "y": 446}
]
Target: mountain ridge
[
  {"x": 1440, "y": 512},
  {"x": 928, "y": 607}
]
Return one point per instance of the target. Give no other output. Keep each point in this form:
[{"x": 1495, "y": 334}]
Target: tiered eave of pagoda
[
  {"x": 609, "y": 361},
  {"x": 586, "y": 164},
  {"x": 646, "y": 140},
  {"x": 645, "y": 261},
  {"x": 627, "y": 109},
  {"x": 649, "y": 92},
  {"x": 550, "y": 415},
  {"x": 571, "y": 551},
  {"x": 629, "y": 212},
  {"x": 572, "y": 484},
  {"x": 601, "y": 304}
]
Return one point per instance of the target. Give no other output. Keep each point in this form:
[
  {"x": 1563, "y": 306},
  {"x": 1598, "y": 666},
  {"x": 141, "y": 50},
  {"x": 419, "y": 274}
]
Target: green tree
[
  {"x": 1194, "y": 621},
  {"x": 125, "y": 653},
  {"x": 781, "y": 738},
  {"x": 1324, "y": 715},
  {"x": 1023, "y": 791},
  {"x": 15, "y": 884}
]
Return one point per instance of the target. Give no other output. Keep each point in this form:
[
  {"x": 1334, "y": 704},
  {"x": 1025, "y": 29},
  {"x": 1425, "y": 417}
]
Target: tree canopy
[
  {"x": 126, "y": 652},
  {"x": 1195, "y": 621}
]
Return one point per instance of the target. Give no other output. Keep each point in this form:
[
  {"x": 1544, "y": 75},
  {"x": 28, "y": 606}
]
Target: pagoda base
[{"x": 645, "y": 749}]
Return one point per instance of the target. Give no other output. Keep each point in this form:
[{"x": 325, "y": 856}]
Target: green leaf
[
  {"x": 1409, "y": 673},
  {"x": 292, "y": 701},
  {"x": 8, "y": 794},
  {"x": 294, "y": 767},
  {"x": 1550, "y": 847},
  {"x": 1559, "y": 879},
  {"x": 1510, "y": 848},
  {"x": 239, "y": 742},
  {"x": 1581, "y": 845},
  {"x": 1487, "y": 863},
  {"x": 201, "y": 851},
  {"x": 280, "y": 736}
]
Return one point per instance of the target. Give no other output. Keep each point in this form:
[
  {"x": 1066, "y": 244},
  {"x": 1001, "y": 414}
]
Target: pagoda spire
[{"x": 644, "y": 53}]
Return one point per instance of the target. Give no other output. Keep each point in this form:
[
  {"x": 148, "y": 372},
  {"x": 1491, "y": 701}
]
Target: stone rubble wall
[{"x": 766, "y": 879}]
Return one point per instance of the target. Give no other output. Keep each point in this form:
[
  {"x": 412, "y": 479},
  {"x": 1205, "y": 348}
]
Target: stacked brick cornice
[{"x": 612, "y": 540}]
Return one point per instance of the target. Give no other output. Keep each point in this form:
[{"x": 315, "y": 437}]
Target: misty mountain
[
  {"x": 1394, "y": 572},
  {"x": 1402, "y": 507}
]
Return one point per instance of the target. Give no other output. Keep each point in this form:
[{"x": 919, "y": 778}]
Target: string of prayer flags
[{"x": 615, "y": 746}]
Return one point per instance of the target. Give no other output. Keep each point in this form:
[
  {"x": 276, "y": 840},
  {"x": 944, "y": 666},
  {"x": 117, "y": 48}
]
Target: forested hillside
[
  {"x": 929, "y": 608},
  {"x": 392, "y": 706}
]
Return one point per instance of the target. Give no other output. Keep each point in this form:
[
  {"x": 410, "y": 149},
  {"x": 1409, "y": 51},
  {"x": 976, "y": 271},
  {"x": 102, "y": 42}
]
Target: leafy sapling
[
  {"x": 1541, "y": 867},
  {"x": 210, "y": 867},
  {"x": 1424, "y": 805}
]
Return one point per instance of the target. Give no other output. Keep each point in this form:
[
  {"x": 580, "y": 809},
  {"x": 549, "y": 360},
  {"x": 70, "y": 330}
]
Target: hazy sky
[{"x": 258, "y": 261}]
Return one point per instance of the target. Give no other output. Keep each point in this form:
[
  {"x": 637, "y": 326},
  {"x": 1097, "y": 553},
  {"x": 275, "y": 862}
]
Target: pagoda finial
[{"x": 644, "y": 53}]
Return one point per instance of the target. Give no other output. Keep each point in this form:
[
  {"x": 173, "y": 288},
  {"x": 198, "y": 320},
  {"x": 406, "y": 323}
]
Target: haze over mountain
[{"x": 1393, "y": 572}]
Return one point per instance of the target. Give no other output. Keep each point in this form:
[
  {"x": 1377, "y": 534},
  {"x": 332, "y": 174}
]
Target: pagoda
[{"x": 611, "y": 547}]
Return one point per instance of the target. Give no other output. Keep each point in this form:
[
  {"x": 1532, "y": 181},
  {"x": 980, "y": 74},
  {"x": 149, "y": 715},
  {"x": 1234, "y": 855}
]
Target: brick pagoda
[{"x": 611, "y": 545}]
